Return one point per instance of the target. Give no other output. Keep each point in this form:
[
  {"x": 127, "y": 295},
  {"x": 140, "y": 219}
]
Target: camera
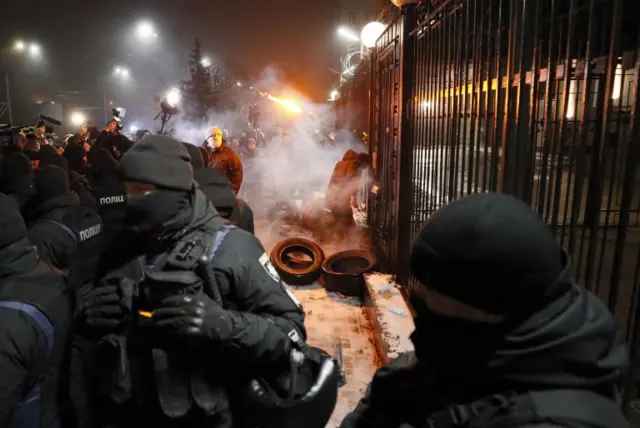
[{"x": 118, "y": 115}]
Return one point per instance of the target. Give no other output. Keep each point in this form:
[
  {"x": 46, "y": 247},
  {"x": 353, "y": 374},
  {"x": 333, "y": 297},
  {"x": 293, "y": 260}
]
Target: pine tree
[{"x": 198, "y": 91}]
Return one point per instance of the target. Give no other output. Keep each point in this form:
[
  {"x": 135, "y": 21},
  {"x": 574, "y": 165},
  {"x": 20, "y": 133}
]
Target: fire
[{"x": 288, "y": 105}]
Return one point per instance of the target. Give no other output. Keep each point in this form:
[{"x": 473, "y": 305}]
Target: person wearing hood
[
  {"x": 214, "y": 312},
  {"x": 217, "y": 188},
  {"x": 224, "y": 158},
  {"x": 17, "y": 178},
  {"x": 36, "y": 309},
  {"x": 79, "y": 184},
  {"x": 66, "y": 233},
  {"x": 503, "y": 335}
]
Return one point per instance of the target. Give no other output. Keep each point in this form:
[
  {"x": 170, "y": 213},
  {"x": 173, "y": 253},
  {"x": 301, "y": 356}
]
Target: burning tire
[
  {"x": 298, "y": 261},
  {"x": 344, "y": 272}
]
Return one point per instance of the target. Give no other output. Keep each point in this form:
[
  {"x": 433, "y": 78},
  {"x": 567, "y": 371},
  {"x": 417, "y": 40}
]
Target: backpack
[
  {"x": 28, "y": 412},
  {"x": 563, "y": 408}
]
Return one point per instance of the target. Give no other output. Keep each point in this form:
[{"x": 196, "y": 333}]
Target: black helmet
[{"x": 311, "y": 409}]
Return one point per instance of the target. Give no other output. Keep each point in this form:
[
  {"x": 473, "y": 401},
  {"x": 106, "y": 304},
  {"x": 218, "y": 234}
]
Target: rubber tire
[
  {"x": 293, "y": 276},
  {"x": 347, "y": 283}
]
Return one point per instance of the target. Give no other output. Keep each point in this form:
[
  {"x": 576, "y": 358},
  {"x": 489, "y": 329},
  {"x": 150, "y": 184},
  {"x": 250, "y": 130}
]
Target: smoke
[{"x": 292, "y": 166}]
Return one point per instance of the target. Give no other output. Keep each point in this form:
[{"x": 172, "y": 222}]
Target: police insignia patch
[{"x": 268, "y": 267}]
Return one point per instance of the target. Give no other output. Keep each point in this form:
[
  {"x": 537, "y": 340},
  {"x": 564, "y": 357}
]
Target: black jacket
[
  {"x": 24, "y": 346},
  {"x": 80, "y": 186},
  {"x": 112, "y": 207},
  {"x": 217, "y": 188},
  {"x": 264, "y": 312},
  {"x": 67, "y": 236},
  {"x": 572, "y": 344}
]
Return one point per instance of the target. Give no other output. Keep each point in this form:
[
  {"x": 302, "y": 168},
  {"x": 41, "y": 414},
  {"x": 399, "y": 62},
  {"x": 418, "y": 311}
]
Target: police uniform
[
  {"x": 252, "y": 321},
  {"x": 36, "y": 309}
]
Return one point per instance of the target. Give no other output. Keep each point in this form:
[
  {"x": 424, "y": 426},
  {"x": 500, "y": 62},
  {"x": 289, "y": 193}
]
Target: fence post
[{"x": 405, "y": 173}]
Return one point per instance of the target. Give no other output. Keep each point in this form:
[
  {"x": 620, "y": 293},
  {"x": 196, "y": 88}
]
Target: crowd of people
[{"x": 133, "y": 292}]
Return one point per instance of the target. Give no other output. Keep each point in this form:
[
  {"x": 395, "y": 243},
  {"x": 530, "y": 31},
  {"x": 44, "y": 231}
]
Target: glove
[
  {"x": 194, "y": 316},
  {"x": 103, "y": 307}
]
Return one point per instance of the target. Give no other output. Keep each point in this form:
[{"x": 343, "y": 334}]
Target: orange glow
[
  {"x": 145, "y": 314},
  {"x": 287, "y": 104}
]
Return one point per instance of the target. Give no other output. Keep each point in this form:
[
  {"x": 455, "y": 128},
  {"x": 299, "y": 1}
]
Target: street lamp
[
  {"x": 19, "y": 47},
  {"x": 34, "y": 50},
  {"x": 205, "y": 62},
  {"x": 371, "y": 33},
  {"x": 146, "y": 31}
]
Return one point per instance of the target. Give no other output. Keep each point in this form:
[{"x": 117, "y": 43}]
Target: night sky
[{"x": 83, "y": 40}]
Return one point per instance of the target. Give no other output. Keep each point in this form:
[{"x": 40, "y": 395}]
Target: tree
[{"x": 198, "y": 91}]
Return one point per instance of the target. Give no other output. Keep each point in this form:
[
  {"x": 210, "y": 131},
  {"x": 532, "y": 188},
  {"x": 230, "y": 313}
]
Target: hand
[
  {"x": 103, "y": 307},
  {"x": 193, "y": 316},
  {"x": 353, "y": 202}
]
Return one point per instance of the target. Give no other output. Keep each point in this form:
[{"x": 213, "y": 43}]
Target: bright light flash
[
  {"x": 78, "y": 118},
  {"x": 206, "y": 61},
  {"x": 173, "y": 97},
  {"x": 133, "y": 129},
  {"x": 288, "y": 105},
  {"x": 348, "y": 34}
]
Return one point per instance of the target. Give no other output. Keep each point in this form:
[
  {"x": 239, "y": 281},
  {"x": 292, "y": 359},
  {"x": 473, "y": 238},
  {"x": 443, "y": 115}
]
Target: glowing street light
[
  {"x": 78, "y": 118},
  {"x": 334, "y": 95},
  {"x": 19, "y": 46},
  {"x": 348, "y": 34},
  {"x": 34, "y": 49},
  {"x": 205, "y": 62},
  {"x": 133, "y": 129},
  {"x": 371, "y": 33},
  {"x": 239, "y": 84},
  {"x": 121, "y": 72},
  {"x": 146, "y": 31}
]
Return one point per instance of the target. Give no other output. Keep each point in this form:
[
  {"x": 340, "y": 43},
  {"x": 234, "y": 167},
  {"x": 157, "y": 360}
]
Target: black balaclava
[
  {"x": 165, "y": 163},
  {"x": 151, "y": 215},
  {"x": 492, "y": 253},
  {"x": 51, "y": 182},
  {"x": 197, "y": 161}
]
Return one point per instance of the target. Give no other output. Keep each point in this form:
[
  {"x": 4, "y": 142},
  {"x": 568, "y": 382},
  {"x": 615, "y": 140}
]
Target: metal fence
[{"x": 536, "y": 98}]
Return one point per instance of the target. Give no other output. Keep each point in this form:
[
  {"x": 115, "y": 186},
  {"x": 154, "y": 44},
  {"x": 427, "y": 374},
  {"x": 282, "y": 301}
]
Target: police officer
[
  {"x": 208, "y": 314},
  {"x": 504, "y": 337},
  {"x": 66, "y": 233},
  {"x": 109, "y": 192},
  {"x": 36, "y": 310},
  {"x": 219, "y": 191}
]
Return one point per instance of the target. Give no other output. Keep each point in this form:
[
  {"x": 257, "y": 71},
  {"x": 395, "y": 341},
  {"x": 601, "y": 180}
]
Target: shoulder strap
[
  {"x": 37, "y": 316},
  {"x": 204, "y": 266},
  {"x": 561, "y": 407}
]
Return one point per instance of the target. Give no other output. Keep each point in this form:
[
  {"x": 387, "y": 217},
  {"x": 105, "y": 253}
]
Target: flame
[{"x": 287, "y": 104}]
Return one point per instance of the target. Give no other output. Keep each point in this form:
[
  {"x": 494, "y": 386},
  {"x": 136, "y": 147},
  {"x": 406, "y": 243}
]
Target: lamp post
[{"x": 19, "y": 47}]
